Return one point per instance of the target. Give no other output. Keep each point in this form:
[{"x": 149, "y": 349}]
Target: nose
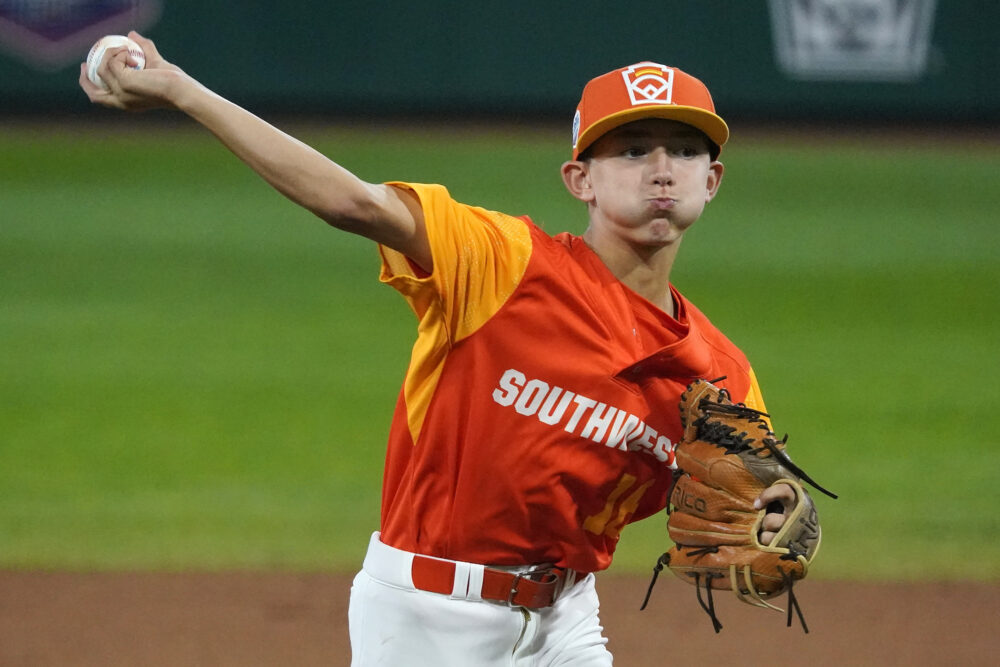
[{"x": 661, "y": 167}]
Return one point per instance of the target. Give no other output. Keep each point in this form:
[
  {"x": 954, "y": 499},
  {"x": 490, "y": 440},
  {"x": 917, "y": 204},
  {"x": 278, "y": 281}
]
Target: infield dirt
[{"x": 250, "y": 619}]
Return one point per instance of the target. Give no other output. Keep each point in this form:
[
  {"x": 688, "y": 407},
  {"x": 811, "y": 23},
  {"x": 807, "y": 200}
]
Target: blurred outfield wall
[{"x": 892, "y": 60}]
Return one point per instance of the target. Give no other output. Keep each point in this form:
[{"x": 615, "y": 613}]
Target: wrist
[{"x": 184, "y": 93}]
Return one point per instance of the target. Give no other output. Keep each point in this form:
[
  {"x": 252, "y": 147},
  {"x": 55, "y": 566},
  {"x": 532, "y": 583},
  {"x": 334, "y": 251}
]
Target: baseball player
[{"x": 539, "y": 411}]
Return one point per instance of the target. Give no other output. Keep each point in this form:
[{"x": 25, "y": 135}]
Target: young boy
[{"x": 539, "y": 411}]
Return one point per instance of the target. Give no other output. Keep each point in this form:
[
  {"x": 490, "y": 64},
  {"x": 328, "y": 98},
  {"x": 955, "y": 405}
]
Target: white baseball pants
[{"x": 392, "y": 623}]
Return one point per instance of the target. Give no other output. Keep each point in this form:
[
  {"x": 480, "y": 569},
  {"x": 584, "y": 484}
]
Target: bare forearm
[
  {"x": 381, "y": 213},
  {"x": 299, "y": 172}
]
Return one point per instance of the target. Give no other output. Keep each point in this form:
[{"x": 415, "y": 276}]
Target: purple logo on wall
[{"x": 51, "y": 34}]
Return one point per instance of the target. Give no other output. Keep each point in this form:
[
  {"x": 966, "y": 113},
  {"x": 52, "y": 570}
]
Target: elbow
[
  {"x": 379, "y": 213},
  {"x": 355, "y": 212},
  {"x": 341, "y": 220}
]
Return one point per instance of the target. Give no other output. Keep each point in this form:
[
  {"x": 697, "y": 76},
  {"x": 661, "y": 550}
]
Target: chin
[{"x": 661, "y": 232}]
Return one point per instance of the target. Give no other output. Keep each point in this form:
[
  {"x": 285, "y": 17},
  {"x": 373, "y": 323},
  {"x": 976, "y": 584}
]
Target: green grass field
[{"x": 195, "y": 374}]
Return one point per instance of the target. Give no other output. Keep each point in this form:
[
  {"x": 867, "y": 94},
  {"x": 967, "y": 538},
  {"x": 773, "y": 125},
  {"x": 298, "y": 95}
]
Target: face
[{"x": 646, "y": 182}]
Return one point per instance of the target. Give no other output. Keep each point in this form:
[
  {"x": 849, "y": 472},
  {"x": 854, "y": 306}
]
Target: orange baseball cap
[{"x": 644, "y": 90}]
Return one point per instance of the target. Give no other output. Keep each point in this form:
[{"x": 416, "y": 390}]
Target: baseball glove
[{"x": 727, "y": 457}]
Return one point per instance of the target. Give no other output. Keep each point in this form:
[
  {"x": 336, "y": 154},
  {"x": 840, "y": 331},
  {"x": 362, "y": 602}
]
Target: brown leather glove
[{"x": 727, "y": 458}]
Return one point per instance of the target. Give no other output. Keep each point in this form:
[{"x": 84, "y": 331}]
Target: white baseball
[{"x": 96, "y": 55}]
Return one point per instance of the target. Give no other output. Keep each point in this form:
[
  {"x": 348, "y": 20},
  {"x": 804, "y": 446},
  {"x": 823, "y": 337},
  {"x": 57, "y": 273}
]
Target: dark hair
[{"x": 713, "y": 150}]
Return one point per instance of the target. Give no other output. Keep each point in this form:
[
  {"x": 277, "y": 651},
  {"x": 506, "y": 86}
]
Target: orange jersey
[{"x": 539, "y": 411}]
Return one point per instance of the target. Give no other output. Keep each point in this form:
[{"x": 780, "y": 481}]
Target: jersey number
[{"x": 612, "y": 519}]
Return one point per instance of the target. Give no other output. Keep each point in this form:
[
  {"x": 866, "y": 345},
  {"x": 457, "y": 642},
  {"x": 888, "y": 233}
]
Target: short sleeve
[{"x": 479, "y": 258}]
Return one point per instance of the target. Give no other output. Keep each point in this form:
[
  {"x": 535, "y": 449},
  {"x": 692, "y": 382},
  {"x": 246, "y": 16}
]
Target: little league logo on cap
[
  {"x": 649, "y": 83},
  {"x": 644, "y": 90}
]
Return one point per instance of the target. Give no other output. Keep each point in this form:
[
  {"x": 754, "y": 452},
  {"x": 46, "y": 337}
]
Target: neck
[{"x": 644, "y": 269}]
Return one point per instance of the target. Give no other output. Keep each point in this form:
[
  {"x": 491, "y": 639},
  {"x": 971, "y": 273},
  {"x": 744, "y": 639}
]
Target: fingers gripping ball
[
  {"x": 728, "y": 457},
  {"x": 97, "y": 52}
]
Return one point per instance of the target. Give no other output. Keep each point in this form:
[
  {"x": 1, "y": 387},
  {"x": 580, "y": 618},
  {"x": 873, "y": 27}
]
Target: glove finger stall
[
  {"x": 690, "y": 530},
  {"x": 699, "y": 499},
  {"x": 704, "y": 461}
]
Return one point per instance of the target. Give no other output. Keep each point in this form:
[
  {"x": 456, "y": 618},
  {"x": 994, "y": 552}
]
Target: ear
[
  {"x": 576, "y": 178},
  {"x": 714, "y": 180}
]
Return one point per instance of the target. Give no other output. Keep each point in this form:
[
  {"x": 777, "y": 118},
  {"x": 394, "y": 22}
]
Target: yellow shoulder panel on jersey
[
  {"x": 479, "y": 259},
  {"x": 754, "y": 397}
]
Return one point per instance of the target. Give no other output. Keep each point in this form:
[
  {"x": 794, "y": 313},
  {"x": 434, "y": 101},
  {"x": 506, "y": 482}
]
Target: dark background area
[{"x": 812, "y": 61}]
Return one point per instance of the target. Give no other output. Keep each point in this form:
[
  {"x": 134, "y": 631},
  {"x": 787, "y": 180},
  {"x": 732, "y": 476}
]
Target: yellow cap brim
[{"x": 712, "y": 125}]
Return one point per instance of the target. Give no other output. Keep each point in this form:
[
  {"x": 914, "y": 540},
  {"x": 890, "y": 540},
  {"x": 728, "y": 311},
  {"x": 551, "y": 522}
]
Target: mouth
[{"x": 663, "y": 203}]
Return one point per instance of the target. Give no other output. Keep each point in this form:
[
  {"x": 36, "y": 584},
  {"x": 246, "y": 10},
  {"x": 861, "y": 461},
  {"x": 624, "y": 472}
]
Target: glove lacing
[
  {"x": 709, "y": 606},
  {"x": 793, "y": 602},
  {"x": 726, "y": 436}
]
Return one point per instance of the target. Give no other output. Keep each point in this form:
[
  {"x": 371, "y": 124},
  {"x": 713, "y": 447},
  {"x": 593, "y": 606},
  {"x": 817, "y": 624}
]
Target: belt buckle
[
  {"x": 513, "y": 590},
  {"x": 561, "y": 577},
  {"x": 549, "y": 575}
]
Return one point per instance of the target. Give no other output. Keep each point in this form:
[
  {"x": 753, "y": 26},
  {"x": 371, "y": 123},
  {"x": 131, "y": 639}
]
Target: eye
[
  {"x": 688, "y": 151},
  {"x": 634, "y": 151}
]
